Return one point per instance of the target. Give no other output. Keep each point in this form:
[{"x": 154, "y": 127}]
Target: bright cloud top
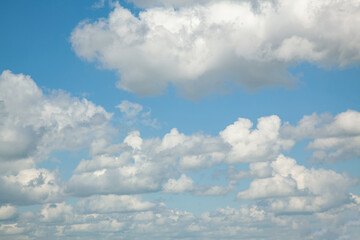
[{"x": 199, "y": 47}]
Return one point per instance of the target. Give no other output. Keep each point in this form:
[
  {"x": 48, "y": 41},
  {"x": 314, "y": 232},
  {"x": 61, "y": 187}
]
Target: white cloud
[
  {"x": 134, "y": 140},
  {"x": 181, "y": 185},
  {"x": 145, "y": 165},
  {"x": 293, "y": 188},
  {"x": 34, "y": 124},
  {"x": 256, "y": 170},
  {"x": 7, "y": 212},
  {"x": 56, "y": 212},
  {"x": 113, "y": 204},
  {"x": 246, "y": 221},
  {"x": 334, "y": 138},
  {"x": 262, "y": 143},
  {"x": 133, "y": 170},
  {"x": 199, "y": 47},
  {"x": 30, "y": 186},
  {"x": 10, "y": 229}
]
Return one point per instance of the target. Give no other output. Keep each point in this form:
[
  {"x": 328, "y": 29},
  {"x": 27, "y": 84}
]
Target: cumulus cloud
[
  {"x": 139, "y": 165},
  {"x": 334, "y": 137},
  {"x": 181, "y": 185},
  {"x": 33, "y": 124},
  {"x": 198, "y": 47},
  {"x": 30, "y": 186},
  {"x": 133, "y": 170},
  {"x": 7, "y": 212},
  {"x": 56, "y": 212},
  {"x": 262, "y": 143},
  {"x": 293, "y": 188}
]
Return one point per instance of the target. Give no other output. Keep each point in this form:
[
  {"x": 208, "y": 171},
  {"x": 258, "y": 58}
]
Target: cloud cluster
[
  {"x": 334, "y": 137},
  {"x": 34, "y": 124},
  {"x": 198, "y": 47},
  {"x": 57, "y": 121},
  {"x": 140, "y": 165},
  {"x": 30, "y": 186},
  {"x": 285, "y": 197},
  {"x": 63, "y": 221},
  {"x": 293, "y": 188}
]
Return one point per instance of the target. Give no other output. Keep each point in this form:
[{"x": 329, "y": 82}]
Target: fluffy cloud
[
  {"x": 248, "y": 145},
  {"x": 293, "y": 188},
  {"x": 334, "y": 138},
  {"x": 146, "y": 165},
  {"x": 181, "y": 185},
  {"x": 56, "y": 212},
  {"x": 136, "y": 165},
  {"x": 7, "y": 212},
  {"x": 30, "y": 186},
  {"x": 199, "y": 47},
  {"x": 134, "y": 170},
  {"x": 33, "y": 124},
  {"x": 150, "y": 165}
]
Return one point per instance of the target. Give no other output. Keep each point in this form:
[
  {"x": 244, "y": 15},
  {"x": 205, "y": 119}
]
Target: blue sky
[{"x": 167, "y": 119}]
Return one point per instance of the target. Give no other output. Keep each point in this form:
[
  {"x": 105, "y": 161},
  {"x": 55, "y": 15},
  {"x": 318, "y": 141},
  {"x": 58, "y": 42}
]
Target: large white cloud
[
  {"x": 32, "y": 124},
  {"x": 199, "y": 47}
]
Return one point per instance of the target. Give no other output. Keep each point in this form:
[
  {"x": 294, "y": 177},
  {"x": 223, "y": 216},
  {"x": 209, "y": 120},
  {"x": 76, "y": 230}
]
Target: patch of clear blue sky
[{"x": 34, "y": 40}]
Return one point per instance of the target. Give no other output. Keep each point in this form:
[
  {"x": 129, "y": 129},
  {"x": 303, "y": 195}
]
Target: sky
[{"x": 179, "y": 119}]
